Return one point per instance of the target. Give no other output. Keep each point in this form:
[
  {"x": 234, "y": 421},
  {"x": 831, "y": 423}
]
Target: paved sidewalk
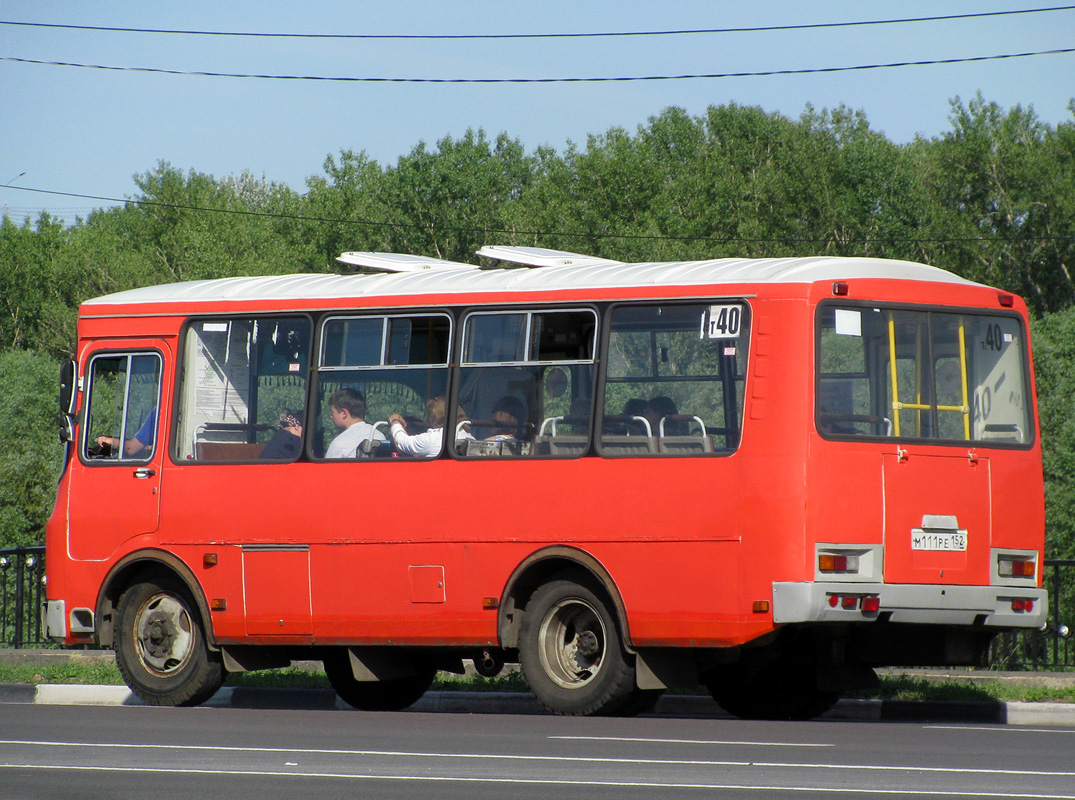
[
  {"x": 464, "y": 702},
  {"x": 1056, "y": 714}
]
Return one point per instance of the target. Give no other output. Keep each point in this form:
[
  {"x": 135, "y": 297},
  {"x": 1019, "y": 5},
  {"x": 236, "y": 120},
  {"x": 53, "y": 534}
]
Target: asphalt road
[{"x": 235, "y": 753}]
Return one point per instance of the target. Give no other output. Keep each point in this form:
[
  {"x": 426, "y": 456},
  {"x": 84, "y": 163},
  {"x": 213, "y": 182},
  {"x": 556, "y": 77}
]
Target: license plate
[{"x": 931, "y": 540}]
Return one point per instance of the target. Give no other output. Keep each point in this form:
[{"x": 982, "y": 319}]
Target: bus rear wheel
[
  {"x": 394, "y": 694},
  {"x": 161, "y": 647},
  {"x": 771, "y": 695},
  {"x": 571, "y": 652}
]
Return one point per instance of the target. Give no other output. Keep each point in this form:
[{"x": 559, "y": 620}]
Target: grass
[
  {"x": 893, "y": 687},
  {"x": 904, "y": 687}
]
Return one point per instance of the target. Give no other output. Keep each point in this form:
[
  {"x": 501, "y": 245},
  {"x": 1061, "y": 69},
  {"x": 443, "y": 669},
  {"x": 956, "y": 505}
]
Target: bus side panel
[
  {"x": 380, "y": 538},
  {"x": 1018, "y": 515},
  {"x": 773, "y": 454}
]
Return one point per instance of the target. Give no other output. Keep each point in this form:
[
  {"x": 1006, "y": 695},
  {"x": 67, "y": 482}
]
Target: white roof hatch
[
  {"x": 399, "y": 262},
  {"x": 543, "y": 257}
]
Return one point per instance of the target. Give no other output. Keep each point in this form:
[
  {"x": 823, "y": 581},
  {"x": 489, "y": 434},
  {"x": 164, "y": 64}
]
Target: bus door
[
  {"x": 938, "y": 525},
  {"x": 116, "y": 477},
  {"x": 937, "y": 518}
]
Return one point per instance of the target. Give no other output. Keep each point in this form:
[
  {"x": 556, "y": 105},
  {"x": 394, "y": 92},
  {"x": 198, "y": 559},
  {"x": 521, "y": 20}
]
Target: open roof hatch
[
  {"x": 397, "y": 262},
  {"x": 543, "y": 257}
]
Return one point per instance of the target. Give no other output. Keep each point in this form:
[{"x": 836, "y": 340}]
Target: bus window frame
[
  {"x": 952, "y": 310},
  {"x": 314, "y": 400},
  {"x": 87, "y": 400},
  {"x": 704, "y": 300},
  {"x": 384, "y": 317},
  {"x": 180, "y": 376},
  {"x": 530, "y": 310}
]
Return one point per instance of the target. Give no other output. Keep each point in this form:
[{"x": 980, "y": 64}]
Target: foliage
[
  {"x": 1054, "y": 365},
  {"x": 992, "y": 199},
  {"x": 30, "y": 458}
]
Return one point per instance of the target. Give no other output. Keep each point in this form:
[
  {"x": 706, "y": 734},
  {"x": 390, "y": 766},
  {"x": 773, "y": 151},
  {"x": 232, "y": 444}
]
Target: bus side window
[
  {"x": 674, "y": 379},
  {"x": 378, "y": 368},
  {"x": 123, "y": 393},
  {"x": 526, "y": 382},
  {"x": 243, "y": 386}
]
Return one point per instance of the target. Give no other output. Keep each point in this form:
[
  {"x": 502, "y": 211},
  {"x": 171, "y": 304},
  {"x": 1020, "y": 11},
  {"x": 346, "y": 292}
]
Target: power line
[
  {"x": 594, "y": 79},
  {"x": 472, "y": 36},
  {"x": 539, "y": 234}
]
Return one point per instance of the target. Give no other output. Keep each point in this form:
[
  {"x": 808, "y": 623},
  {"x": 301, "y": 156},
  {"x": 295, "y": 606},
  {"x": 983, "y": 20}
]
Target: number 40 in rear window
[{"x": 722, "y": 322}]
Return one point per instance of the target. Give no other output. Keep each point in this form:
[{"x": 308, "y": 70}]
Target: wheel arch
[
  {"x": 538, "y": 569},
  {"x": 138, "y": 566}
]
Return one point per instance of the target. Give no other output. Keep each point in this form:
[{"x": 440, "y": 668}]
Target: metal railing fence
[
  {"x": 21, "y": 596},
  {"x": 1053, "y": 648}
]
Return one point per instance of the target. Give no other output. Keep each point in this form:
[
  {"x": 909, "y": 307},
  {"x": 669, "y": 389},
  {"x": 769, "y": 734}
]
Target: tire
[
  {"x": 161, "y": 647},
  {"x": 389, "y": 695},
  {"x": 642, "y": 701},
  {"x": 571, "y": 651},
  {"x": 771, "y": 695}
]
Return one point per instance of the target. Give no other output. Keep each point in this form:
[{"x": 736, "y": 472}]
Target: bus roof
[{"x": 466, "y": 280}]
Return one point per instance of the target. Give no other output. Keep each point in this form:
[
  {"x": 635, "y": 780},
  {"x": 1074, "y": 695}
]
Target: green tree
[
  {"x": 31, "y": 298},
  {"x": 451, "y": 201},
  {"x": 1054, "y": 344},
  {"x": 341, "y": 209},
  {"x": 30, "y": 459},
  {"x": 1003, "y": 186}
]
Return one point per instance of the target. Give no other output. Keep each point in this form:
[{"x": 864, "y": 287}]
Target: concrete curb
[{"x": 676, "y": 706}]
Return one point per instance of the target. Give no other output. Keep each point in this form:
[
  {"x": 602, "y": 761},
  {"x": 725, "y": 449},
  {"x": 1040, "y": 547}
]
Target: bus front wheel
[
  {"x": 571, "y": 652},
  {"x": 161, "y": 647}
]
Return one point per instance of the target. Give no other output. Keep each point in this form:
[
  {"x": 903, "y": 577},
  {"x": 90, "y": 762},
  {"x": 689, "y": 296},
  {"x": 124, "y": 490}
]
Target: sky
[{"x": 72, "y": 130}]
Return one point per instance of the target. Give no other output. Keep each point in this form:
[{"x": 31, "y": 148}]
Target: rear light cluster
[
  {"x": 867, "y": 604},
  {"x": 827, "y": 562},
  {"x": 1016, "y": 568},
  {"x": 1022, "y": 605}
]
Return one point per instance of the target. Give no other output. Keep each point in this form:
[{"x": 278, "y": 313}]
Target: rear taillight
[
  {"x": 1016, "y": 568},
  {"x": 830, "y": 562},
  {"x": 867, "y": 604}
]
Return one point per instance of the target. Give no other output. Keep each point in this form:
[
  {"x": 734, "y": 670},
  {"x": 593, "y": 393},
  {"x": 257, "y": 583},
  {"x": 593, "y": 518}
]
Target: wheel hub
[
  {"x": 159, "y": 636},
  {"x": 164, "y": 635},
  {"x": 572, "y": 643},
  {"x": 588, "y": 644}
]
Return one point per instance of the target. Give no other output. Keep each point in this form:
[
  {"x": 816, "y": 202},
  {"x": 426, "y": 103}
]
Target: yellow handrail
[
  {"x": 896, "y": 405},
  {"x": 963, "y": 377}
]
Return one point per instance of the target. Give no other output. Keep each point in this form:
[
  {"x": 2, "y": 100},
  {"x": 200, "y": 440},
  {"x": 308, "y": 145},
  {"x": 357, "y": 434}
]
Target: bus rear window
[{"x": 920, "y": 374}]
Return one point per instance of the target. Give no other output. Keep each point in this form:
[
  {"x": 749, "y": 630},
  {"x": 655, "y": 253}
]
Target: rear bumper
[{"x": 989, "y": 606}]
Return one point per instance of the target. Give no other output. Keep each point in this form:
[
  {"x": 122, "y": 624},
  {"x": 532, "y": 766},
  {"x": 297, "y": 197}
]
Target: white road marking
[
  {"x": 550, "y": 782},
  {"x": 557, "y": 759},
  {"x": 1007, "y": 729},
  {"x": 690, "y": 741}
]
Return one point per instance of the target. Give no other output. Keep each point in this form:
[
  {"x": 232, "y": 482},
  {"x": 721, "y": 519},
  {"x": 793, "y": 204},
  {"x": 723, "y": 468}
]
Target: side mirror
[
  {"x": 68, "y": 382},
  {"x": 68, "y": 393}
]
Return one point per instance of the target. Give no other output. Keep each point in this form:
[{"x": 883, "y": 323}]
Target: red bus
[{"x": 765, "y": 476}]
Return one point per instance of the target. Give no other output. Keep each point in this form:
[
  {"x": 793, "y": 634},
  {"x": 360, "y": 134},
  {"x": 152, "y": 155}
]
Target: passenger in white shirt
[
  {"x": 427, "y": 444},
  {"x": 348, "y": 409}
]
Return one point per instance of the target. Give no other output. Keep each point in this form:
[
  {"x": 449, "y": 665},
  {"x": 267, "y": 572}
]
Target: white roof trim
[
  {"x": 399, "y": 262},
  {"x": 614, "y": 277},
  {"x": 543, "y": 257}
]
